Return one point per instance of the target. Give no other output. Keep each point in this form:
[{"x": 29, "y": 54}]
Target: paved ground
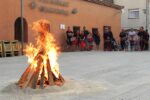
[{"x": 89, "y": 76}]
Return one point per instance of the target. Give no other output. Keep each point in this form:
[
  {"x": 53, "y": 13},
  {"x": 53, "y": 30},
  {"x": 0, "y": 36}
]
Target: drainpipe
[
  {"x": 22, "y": 26},
  {"x": 147, "y": 14}
]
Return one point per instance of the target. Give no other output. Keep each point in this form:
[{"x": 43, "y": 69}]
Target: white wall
[{"x": 132, "y": 4}]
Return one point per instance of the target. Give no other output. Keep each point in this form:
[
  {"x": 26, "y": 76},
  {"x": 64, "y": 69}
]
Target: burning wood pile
[{"x": 43, "y": 69}]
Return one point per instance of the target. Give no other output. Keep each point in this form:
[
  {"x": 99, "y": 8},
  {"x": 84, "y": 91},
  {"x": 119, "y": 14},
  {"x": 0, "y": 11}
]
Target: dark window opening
[
  {"x": 95, "y": 30},
  {"x": 75, "y": 29},
  {"x": 106, "y": 27}
]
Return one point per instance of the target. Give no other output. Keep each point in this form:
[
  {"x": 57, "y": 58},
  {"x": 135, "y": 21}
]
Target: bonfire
[{"x": 43, "y": 69}]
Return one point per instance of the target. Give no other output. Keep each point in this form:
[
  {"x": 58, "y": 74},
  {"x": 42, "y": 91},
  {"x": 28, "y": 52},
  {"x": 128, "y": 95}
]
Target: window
[
  {"x": 106, "y": 27},
  {"x": 94, "y": 30},
  {"x": 133, "y": 13}
]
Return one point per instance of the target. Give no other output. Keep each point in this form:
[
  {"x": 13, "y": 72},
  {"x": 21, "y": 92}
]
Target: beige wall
[
  {"x": 89, "y": 15},
  {"x": 132, "y": 4}
]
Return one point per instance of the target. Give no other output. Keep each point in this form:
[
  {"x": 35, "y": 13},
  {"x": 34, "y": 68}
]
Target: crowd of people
[
  {"x": 135, "y": 40},
  {"x": 132, "y": 40},
  {"x": 84, "y": 40}
]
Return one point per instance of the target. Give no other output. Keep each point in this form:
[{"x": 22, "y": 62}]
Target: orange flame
[{"x": 46, "y": 44}]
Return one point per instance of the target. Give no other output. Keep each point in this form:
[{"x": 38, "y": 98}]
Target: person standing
[
  {"x": 90, "y": 42},
  {"x": 131, "y": 35},
  {"x": 81, "y": 41},
  {"x": 69, "y": 34},
  {"x": 86, "y": 33},
  {"x": 123, "y": 38},
  {"x": 146, "y": 40},
  {"x": 78, "y": 38},
  {"x": 141, "y": 35},
  {"x": 108, "y": 37},
  {"x": 96, "y": 38}
]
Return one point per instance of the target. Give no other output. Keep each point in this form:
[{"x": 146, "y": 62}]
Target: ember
[{"x": 43, "y": 69}]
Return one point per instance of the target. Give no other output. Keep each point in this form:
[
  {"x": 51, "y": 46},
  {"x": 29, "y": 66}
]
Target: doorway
[
  {"x": 75, "y": 29},
  {"x": 106, "y": 27},
  {"x": 18, "y": 35},
  {"x": 95, "y": 30}
]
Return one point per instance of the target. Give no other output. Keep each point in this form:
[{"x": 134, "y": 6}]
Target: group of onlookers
[
  {"x": 132, "y": 40},
  {"x": 84, "y": 40}
]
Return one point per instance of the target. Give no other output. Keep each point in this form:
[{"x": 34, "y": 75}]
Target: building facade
[
  {"x": 61, "y": 14},
  {"x": 135, "y": 13}
]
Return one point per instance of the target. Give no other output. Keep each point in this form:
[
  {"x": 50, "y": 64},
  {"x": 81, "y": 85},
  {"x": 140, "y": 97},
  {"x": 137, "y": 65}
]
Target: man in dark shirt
[
  {"x": 96, "y": 37},
  {"x": 146, "y": 40},
  {"x": 86, "y": 33},
  {"x": 123, "y": 38},
  {"x": 108, "y": 37},
  {"x": 141, "y": 36}
]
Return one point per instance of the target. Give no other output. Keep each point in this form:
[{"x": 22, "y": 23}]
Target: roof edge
[{"x": 104, "y": 3}]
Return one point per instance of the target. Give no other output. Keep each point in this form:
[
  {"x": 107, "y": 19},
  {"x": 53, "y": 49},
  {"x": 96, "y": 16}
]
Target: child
[
  {"x": 81, "y": 41},
  {"x": 90, "y": 42}
]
